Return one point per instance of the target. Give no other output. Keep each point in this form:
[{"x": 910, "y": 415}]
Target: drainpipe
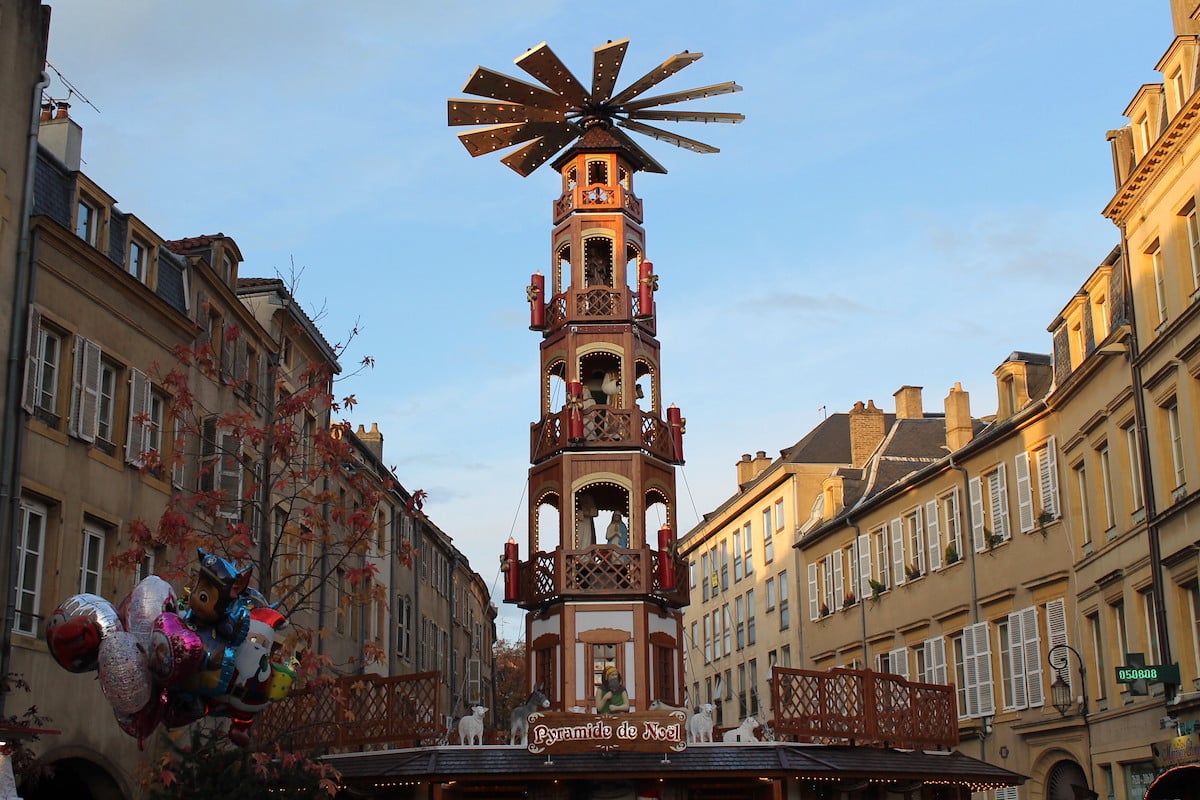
[
  {"x": 968, "y": 545},
  {"x": 862, "y": 600},
  {"x": 13, "y": 426}
]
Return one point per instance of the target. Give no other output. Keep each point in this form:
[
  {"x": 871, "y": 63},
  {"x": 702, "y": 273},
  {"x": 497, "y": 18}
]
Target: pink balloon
[
  {"x": 175, "y": 650},
  {"x": 124, "y": 677},
  {"x": 76, "y": 628}
]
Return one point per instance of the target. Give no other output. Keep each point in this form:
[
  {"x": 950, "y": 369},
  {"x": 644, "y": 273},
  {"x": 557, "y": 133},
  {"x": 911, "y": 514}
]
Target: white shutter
[
  {"x": 1048, "y": 478},
  {"x": 839, "y": 586},
  {"x": 827, "y": 582},
  {"x": 230, "y": 471},
  {"x": 898, "y": 662},
  {"x": 983, "y": 670},
  {"x": 33, "y": 361},
  {"x": 1033, "y": 657},
  {"x": 814, "y": 609},
  {"x": 139, "y": 406},
  {"x": 1024, "y": 493},
  {"x": 998, "y": 486},
  {"x": 1016, "y": 661},
  {"x": 977, "y": 522},
  {"x": 970, "y": 674},
  {"x": 935, "y": 660},
  {"x": 918, "y": 553},
  {"x": 897, "y": 552},
  {"x": 954, "y": 524},
  {"x": 879, "y": 662},
  {"x": 885, "y": 563},
  {"x": 864, "y": 566},
  {"x": 1056, "y": 634},
  {"x": 933, "y": 535}
]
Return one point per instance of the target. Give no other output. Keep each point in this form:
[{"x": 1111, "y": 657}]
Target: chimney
[
  {"x": 62, "y": 136},
  {"x": 761, "y": 462},
  {"x": 47, "y": 112},
  {"x": 908, "y": 403},
  {"x": 866, "y": 432},
  {"x": 372, "y": 439},
  {"x": 959, "y": 428},
  {"x": 745, "y": 470}
]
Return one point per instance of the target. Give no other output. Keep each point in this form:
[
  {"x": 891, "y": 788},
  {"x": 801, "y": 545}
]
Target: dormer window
[
  {"x": 1178, "y": 91},
  {"x": 226, "y": 267},
  {"x": 1142, "y": 126},
  {"x": 136, "y": 265},
  {"x": 87, "y": 222}
]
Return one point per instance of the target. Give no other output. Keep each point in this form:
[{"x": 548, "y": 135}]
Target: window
[
  {"x": 914, "y": 532},
  {"x": 753, "y": 664},
  {"x": 1153, "y": 655},
  {"x": 1021, "y": 659},
  {"x": 704, "y": 571},
  {"x": 1085, "y": 515},
  {"x": 1178, "y": 92},
  {"x": 30, "y": 550},
  {"x": 602, "y": 656},
  {"x": 1134, "y": 453},
  {"x": 1118, "y": 616},
  {"x": 724, "y": 565},
  {"x": 784, "y": 620},
  {"x": 1192, "y": 225},
  {"x": 1160, "y": 285},
  {"x": 740, "y": 618},
  {"x": 785, "y": 656},
  {"x": 85, "y": 390},
  {"x": 768, "y": 537},
  {"x": 1176, "y": 434},
  {"x": 949, "y": 515},
  {"x": 989, "y": 508},
  {"x": 883, "y": 568},
  {"x": 692, "y": 574},
  {"x": 708, "y": 655},
  {"x": 770, "y": 588},
  {"x": 145, "y": 567},
  {"x": 340, "y": 593},
  {"x": 404, "y": 627},
  {"x": 87, "y": 222},
  {"x": 934, "y": 661},
  {"x": 106, "y": 402},
  {"x": 137, "y": 259},
  {"x": 221, "y": 468},
  {"x": 750, "y": 632},
  {"x": 960, "y": 672},
  {"x": 779, "y": 520},
  {"x": 1110, "y": 518},
  {"x": 91, "y": 560},
  {"x": 737, "y": 556},
  {"x": 42, "y": 363},
  {"x": 1093, "y": 625},
  {"x": 748, "y": 532},
  {"x": 726, "y": 629}
]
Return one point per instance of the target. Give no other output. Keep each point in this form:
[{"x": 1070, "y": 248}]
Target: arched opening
[
  {"x": 657, "y": 514},
  {"x": 645, "y": 392},
  {"x": 562, "y": 269},
  {"x": 601, "y": 515},
  {"x": 600, "y": 374},
  {"x": 597, "y": 262},
  {"x": 633, "y": 257},
  {"x": 76, "y": 778},
  {"x": 1067, "y": 781},
  {"x": 555, "y": 389},
  {"x": 547, "y": 521}
]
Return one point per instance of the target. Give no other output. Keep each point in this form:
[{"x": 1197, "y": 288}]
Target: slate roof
[{"x": 774, "y": 759}]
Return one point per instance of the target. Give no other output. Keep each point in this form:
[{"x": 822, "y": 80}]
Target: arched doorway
[
  {"x": 1177, "y": 783},
  {"x": 76, "y": 778},
  {"x": 1067, "y": 781}
]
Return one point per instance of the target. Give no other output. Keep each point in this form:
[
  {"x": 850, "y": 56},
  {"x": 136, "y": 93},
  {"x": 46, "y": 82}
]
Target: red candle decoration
[
  {"x": 666, "y": 564},
  {"x": 575, "y": 411},
  {"x": 536, "y": 290},
  {"x": 676, "y": 421},
  {"x": 647, "y": 283},
  {"x": 511, "y": 565}
]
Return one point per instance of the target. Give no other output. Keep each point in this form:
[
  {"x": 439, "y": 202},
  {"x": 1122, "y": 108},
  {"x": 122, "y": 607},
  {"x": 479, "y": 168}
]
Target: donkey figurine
[{"x": 520, "y": 716}]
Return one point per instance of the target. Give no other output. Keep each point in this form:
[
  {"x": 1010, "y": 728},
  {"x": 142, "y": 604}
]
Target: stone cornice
[{"x": 1182, "y": 127}]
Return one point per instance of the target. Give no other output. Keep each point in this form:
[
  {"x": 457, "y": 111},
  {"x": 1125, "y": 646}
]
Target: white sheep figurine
[
  {"x": 743, "y": 732},
  {"x": 700, "y": 726},
  {"x": 470, "y": 727}
]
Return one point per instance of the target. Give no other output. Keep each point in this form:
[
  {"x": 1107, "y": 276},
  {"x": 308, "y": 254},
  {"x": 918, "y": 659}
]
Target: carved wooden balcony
[
  {"x": 603, "y": 427},
  {"x": 863, "y": 707},
  {"x": 355, "y": 711},
  {"x": 598, "y": 571},
  {"x": 600, "y": 304},
  {"x": 597, "y": 197}
]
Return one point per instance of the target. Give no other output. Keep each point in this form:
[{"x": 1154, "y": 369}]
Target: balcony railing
[
  {"x": 599, "y": 570},
  {"x": 603, "y": 426},
  {"x": 355, "y": 711},
  {"x": 862, "y": 707},
  {"x": 597, "y": 197}
]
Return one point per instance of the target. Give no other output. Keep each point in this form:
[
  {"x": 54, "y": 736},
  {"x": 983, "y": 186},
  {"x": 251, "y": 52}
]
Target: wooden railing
[
  {"x": 604, "y": 426},
  {"x": 597, "y": 197},
  {"x": 599, "y": 570},
  {"x": 863, "y": 707},
  {"x": 354, "y": 711}
]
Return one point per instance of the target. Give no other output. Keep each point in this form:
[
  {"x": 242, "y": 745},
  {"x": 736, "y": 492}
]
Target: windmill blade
[
  {"x": 657, "y": 75},
  {"x": 648, "y": 162},
  {"x": 486, "y": 83},
  {"x": 729, "y": 87},
  {"x": 543, "y": 64},
  {"x": 539, "y": 151},
  {"x": 667, "y": 136},
  {"x": 479, "y": 112},
  {"x": 689, "y": 116},
  {"x": 497, "y": 137},
  {"x": 606, "y": 63}
]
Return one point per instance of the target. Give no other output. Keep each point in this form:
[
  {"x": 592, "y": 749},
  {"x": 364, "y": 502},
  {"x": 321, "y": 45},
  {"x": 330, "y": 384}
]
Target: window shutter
[
  {"x": 139, "y": 406},
  {"x": 1048, "y": 478},
  {"x": 935, "y": 660},
  {"x": 970, "y": 673},
  {"x": 231, "y": 475},
  {"x": 1016, "y": 661},
  {"x": 1033, "y": 657},
  {"x": 85, "y": 390},
  {"x": 1056, "y": 634},
  {"x": 33, "y": 360},
  {"x": 264, "y": 383},
  {"x": 839, "y": 586},
  {"x": 897, "y": 552},
  {"x": 933, "y": 535},
  {"x": 885, "y": 562},
  {"x": 898, "y": 662},
  {"x": 976, "y": 491},
  {"x": 983, "y": 670},
  {"x": 814, "y": 609},
  {"x": 920, "y": 536},
  {"x": 864, "y": 566},
  {"x": 208, "y": 454},
  {"x": 879, "y": 662},
  {"x": 1024, "y": 493}
]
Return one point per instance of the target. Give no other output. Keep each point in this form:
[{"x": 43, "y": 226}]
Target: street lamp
[{"x": 1061, "y": 696}]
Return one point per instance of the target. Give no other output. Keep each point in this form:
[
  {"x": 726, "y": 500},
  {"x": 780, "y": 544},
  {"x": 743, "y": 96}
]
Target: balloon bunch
[{"x": 170, "y": 662}]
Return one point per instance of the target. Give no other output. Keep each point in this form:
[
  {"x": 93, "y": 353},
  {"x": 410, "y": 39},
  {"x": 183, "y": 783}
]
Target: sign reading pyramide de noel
[{"x": 572, "y": 732}]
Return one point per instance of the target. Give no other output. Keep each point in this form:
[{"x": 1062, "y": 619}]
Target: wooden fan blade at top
[
  {"x": 728, "y": 87},
  {"x": 528, "y": 158},
  {"x": 497, "y": 137},
  {"x": 689, "y": 116},
  {"x": 483, "y": 112},
  {"x": 486, "y": 83},
  {"x": 543, "y": 64},
  {"x": 667, "y": 136},
  {"x": 647, "y": 161},
  {"x": 657, "y": 75},
  {"x": 606, "y": 63}
]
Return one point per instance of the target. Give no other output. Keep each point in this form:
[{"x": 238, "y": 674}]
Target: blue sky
[{"x": 915, "y": 193}]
